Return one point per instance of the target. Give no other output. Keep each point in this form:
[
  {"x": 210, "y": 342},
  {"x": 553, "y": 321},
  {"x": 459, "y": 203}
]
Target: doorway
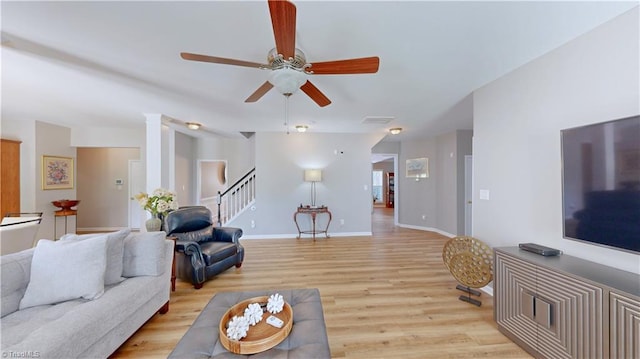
[
  {"x": 387, "y": 163},
  {"x": 377, "y": 191}
]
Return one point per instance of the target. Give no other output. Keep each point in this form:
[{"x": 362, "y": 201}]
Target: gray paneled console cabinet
[{"x": 566, "y": 307}]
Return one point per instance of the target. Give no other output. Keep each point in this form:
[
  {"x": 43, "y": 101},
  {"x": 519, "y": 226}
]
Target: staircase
[{"x": 234, "y": 200}]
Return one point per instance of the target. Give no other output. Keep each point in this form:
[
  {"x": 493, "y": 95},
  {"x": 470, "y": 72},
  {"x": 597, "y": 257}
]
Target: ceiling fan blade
[
  {"x": 221, "y": 60},
  {"x": 364, "y": 65},
  {"x": 283, "y": 20},
  {"x": 257, "y": 94},
  {"x": 316, "y": 95}
]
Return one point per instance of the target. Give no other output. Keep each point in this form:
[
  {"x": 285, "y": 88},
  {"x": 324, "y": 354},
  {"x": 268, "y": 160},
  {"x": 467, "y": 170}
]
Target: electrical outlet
[
  {"x": 424, "y": 217},
  {"x": 342, "y": 222},
  {"x": 253, "y": 224}
]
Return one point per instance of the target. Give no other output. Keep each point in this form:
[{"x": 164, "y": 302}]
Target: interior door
[{"x": 468, "y": 194}]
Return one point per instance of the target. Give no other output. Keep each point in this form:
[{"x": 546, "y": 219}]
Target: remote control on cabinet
[{"x": 539, "y": 249}]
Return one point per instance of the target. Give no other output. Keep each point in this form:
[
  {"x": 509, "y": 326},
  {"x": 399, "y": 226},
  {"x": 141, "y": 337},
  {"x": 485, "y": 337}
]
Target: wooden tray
[{"x": 261, "y": 336}]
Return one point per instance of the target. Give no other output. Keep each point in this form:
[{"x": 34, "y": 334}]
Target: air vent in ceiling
[{"x": 377, "y": 120}]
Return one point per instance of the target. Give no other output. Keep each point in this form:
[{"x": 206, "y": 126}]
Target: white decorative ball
[
  {"x": 237, "y": 328},
  {"x": 253, "y": 313},
  {"x": 275, "y": 303}
]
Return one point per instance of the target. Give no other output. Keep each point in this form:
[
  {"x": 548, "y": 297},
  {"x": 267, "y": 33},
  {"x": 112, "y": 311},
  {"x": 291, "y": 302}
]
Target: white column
[{"x": 153, "y": 152}]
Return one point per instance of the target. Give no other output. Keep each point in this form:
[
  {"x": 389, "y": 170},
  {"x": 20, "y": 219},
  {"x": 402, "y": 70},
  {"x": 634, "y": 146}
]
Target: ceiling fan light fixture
[
  {"x": 193, "y": 125},
  {"x": 395, "y": 130},
  {"x": 302, "y": 128},
  {"x": 287, "y": 80}
]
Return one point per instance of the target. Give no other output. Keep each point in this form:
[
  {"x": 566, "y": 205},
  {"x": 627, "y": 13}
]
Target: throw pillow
[
  {"x": 66, "y": 270},
  {"x": 144, "y": 254},
  {"x": 115, "y": 251}
]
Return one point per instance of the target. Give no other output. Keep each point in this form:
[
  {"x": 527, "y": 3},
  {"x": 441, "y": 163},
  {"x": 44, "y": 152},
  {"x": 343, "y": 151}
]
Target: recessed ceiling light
[
  {"x": 193, "y": 125},
  {"x": 302, "y": 128},
  {"x": 395, "y": 130}
]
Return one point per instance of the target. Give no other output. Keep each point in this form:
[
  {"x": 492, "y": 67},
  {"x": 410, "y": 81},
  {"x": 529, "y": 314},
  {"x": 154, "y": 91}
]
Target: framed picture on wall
[
  {"x": 418, "y": 168},
  {"x": 57, "y": 172}
]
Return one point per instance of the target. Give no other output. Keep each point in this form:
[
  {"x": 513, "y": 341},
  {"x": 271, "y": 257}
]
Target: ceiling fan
[{"x": 288, "y": 65}]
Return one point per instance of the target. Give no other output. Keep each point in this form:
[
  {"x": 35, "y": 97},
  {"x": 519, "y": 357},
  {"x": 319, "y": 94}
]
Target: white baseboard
[
  {"x": 268, "y": 236},
  {"x": 429, "y": 229},
  {"x": 487, "y": 289},
  {"x": 305, "y": 236}
]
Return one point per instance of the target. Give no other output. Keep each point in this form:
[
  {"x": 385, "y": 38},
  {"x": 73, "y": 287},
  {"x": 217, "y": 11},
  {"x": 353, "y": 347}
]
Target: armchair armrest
[
  {"x": 193, "y": 251},
  {"x": 227, "y": 234}
]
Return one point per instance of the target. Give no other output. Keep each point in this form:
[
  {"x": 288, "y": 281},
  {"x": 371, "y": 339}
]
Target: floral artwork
[{"x": 57, "y": 172}]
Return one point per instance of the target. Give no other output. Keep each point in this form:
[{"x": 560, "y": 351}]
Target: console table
[
  {"x": 63, "y": 213},
  {"x": 313, "y": 212}
]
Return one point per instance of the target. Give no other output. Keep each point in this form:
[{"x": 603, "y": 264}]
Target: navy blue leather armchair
[{"x": 203, "y": 250}]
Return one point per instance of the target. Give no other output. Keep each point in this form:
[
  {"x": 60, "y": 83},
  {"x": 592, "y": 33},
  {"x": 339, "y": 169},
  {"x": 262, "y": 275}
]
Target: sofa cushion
[
  {"x": 214, "y": 252},
  {"x": 15, "y": 270},
  {"x": 143, "y": 254},
  {"x": 115, "y": 252},
  {"x": 66, "y": 329},
  {"x": 66, "y": 270}
]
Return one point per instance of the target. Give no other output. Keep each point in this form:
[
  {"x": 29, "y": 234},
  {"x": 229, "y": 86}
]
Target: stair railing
[{"x": 237, "y": 197}]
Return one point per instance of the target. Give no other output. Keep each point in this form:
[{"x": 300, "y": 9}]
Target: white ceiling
[{"x": 108, "y": 63}]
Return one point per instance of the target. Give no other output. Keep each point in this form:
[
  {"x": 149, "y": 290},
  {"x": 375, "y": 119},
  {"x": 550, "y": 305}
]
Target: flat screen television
[{"x": 601, "y": 184}]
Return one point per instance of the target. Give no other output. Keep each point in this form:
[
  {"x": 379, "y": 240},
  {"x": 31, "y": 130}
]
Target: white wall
[
  {"x": 280, "y": 162},
  {"x": 238, "y": 152},
  {"x": 440, "y": 197},
  {"x": 517, "y": 123},
  {"x": 104, "y": 205},
  {"x": 108, "y": 137},
  {"x": 53, "y": 140},
  {"x": 185, "y": 169},
  {"x": 417, "y": 198}
]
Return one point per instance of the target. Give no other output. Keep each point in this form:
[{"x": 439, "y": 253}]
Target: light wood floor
[{"x": 386, "y": 296}]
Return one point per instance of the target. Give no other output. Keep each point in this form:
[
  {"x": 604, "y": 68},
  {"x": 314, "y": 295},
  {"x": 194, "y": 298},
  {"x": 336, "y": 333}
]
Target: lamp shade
[
  {"x": 313, "y": 175},
  {"x": 286, "y": 80}
]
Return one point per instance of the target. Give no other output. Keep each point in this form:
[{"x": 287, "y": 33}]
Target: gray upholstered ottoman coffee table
[{"x": 308, "y": 337}]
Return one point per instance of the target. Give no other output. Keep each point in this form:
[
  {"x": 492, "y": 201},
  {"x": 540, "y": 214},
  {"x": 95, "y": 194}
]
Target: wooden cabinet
[
  {"x": 566, "y": 307},
  {"x": 391, "y": 189},
  {"x": 625, "y": 326},
  {"x": 9, "y": 177}
]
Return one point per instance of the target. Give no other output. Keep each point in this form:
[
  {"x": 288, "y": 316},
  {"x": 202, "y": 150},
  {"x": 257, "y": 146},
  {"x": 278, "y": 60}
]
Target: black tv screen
[{"x": 601, "y": 183}]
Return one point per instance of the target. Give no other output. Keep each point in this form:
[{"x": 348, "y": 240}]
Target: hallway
[{"x": 382, "y": 221}]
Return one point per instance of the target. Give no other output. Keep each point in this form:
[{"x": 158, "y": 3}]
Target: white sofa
[{"x": 80, "y": 327}]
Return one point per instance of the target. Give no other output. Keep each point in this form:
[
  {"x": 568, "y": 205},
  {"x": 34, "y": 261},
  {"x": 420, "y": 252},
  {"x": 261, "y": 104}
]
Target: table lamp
[{"x": 313, "y": 176}]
